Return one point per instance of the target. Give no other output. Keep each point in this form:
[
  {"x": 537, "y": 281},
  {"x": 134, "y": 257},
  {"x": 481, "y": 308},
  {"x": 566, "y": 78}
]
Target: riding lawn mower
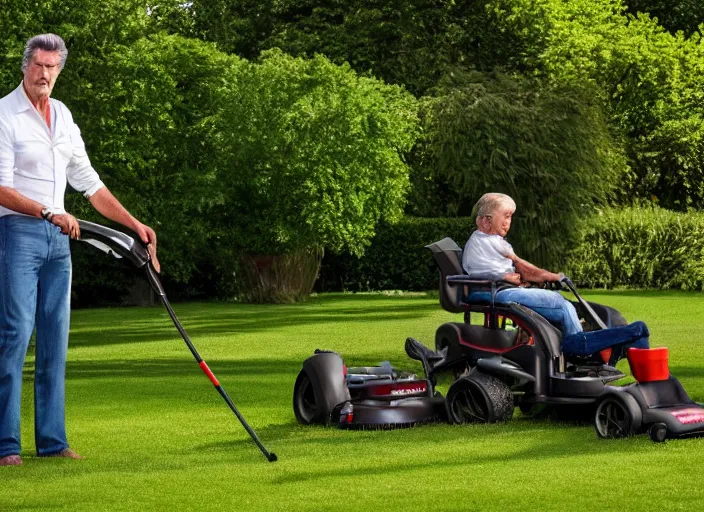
[{"x": 501, "y": 355}]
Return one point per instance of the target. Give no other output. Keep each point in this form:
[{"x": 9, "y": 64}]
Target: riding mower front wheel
[{"x": 617, "y": 415}]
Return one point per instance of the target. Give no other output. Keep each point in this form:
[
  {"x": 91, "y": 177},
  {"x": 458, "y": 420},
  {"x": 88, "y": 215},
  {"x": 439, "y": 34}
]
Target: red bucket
[{"x": 648, "y": 364}]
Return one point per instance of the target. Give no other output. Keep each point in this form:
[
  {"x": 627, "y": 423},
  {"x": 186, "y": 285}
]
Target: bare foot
[
  {"x": 11, "y": 460},
  {"x": 66, "y": 453}
]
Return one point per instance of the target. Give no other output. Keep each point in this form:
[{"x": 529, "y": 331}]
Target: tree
[
  {"x": 149, "y": 139},
  {"x": 549, "y": 149},
  {"x": 648, "y": 81},
  {"x": 310, "y": 156},
  {"x": 672, "y": 15},
  {"x": 408, "y": 42}
]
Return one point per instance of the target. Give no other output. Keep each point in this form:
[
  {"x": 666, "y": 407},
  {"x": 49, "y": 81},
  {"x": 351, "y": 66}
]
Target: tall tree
[
  {"x": 407, "y": 42},
  {"x": 548, "y": 148}
]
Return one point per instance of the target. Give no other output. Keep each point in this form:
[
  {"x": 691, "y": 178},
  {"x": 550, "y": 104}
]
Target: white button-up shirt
[{"x": 37, "y": 160}]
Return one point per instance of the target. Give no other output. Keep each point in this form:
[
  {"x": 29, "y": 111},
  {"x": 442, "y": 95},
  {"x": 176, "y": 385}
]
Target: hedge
[
  {"x": 397, "y": 258},
  {"x": 640, "y": 248},
  {"x": 632, "y": 247},
  {"x": 628, "y": 247}
]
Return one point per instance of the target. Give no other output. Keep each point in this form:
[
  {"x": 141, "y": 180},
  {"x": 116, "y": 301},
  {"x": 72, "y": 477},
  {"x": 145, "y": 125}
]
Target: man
[
  {"x": 487, "y": 253},
  {"x": 40, "y": 150}
]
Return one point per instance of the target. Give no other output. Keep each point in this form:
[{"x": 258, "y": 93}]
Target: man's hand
[
  {"x": 513, "y": 278},
  {"x": 148, "y": 236},
  {"x": 67, "y": 223},
  {"x": 110, "y": 207}
]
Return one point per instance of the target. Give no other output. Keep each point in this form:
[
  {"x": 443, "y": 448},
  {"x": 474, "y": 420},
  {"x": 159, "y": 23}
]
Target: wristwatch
[{"x": 47, "y": 213}]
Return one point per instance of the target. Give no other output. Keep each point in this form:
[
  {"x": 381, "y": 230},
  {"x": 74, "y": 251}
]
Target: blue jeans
[
  {"x": 35, "y": 282},
  {"x": 559, "y": 311},
  {"x": 620, "y": 339},
  {"x": 550, "y": 305}
]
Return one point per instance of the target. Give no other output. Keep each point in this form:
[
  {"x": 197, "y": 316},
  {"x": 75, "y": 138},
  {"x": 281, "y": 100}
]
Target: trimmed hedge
[
  {"x": 628, "y": 247},
  {"x": 397, "y": 258},
  {"x": 640, "y": 248}
]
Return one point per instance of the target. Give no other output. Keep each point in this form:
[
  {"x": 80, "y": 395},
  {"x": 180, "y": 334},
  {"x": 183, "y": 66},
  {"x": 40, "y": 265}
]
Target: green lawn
[{"x": 157, "y": 436}]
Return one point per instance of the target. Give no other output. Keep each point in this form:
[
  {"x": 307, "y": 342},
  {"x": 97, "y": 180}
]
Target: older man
[
  {"x": 487, "y": 253},
  {"x": 40, "y": 150}
]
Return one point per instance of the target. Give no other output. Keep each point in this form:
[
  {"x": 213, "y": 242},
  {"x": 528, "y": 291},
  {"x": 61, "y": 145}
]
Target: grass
[{"x": 158, "y": 437}]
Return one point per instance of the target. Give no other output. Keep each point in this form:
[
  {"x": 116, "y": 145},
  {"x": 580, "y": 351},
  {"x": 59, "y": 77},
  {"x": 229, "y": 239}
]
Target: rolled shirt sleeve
[{"x": 79, "y": 171}]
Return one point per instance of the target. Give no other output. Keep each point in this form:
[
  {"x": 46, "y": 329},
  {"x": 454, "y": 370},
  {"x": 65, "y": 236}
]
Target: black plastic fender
[
  {"x": 320, "y": 386},
  {"x": 610, "y": 316},
  {"x": 504, "y": 368}
]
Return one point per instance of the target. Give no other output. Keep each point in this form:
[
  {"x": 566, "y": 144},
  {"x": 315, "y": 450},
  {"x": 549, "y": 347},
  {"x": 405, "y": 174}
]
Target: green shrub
[
  {"x": 640, "y": 248},
  {"x": 409, "y": 42},
  {"x": 673, "y": 15},
  {"x": 397, "y": 258},
  {"x": 142, "y": 120},
  {"x": 309, "y": 155}
]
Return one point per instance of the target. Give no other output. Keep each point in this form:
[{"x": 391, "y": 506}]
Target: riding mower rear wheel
[{"x": 479, "y": 398}]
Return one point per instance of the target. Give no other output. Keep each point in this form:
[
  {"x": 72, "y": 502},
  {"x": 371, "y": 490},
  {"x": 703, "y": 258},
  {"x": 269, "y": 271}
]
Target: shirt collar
[{"x": 22, "y": 100}]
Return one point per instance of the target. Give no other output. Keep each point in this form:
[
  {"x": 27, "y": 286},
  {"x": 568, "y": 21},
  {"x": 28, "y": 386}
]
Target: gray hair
[
  {"x": 489, "y": 202},
  {"x": 46, "y": 42}
]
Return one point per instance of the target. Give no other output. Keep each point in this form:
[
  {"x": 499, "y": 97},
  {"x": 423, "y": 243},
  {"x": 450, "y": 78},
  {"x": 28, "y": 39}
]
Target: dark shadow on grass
[
  {"x": 180, "y": 366},
  {"x": 548, "y": 451},
  {"x": 232, "y": 320},
  {"x": 363, "y": 443}
]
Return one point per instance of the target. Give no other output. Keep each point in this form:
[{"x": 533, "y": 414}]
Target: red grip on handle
[{"x": 204, "y": 366}]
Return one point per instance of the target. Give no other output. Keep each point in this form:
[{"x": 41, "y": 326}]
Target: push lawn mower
[
  {"x": 370, "y": 397},
  {"x": 513, "y": 357},
  {"x": 120, "y": 245}
]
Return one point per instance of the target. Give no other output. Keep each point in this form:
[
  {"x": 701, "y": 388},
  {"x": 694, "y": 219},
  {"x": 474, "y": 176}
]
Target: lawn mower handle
[
  {"x": 121, "y": 245},
  {"x": 568, "y": 282}
]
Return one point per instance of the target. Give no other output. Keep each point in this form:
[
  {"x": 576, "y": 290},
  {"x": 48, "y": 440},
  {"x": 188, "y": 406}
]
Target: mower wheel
[
  {"x": 311, "y": 403},
  {"x": 617, "y": 415},
  {"x": 319, "y": 387},
  {"x": 304, "y": 403},
  {"x": 479, "y": 398},
  {"x": 658, "y": 432}
]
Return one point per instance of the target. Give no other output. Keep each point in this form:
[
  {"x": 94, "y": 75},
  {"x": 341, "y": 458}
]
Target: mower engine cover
[{"x": 379, "y": 397}]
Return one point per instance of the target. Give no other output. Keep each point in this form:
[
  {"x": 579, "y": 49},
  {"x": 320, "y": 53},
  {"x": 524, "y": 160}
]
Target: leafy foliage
[
  {"x": 147, "y": 134},
  {"x": 409, "y": 42},
  {"x": 648, "y": 79},
  {"x": 549, "y": 149},
  {"x": 312, "y": 151},
  {"x": 285, "y": 154},
  {"x": 641, "y": 248},
  {"x": 645, "y": 77},
  {"x": 396, "y": 259},
  {"x": 673, "y": 15},
  {"x": 310, "y": 155}
]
